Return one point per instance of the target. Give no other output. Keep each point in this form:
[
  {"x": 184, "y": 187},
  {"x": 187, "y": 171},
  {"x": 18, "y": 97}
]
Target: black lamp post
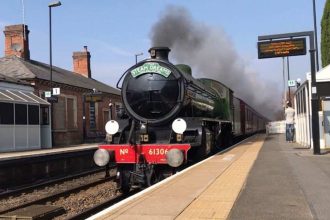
[
  {"x": 136, "y": 55},
  {"x": 315, "y": 34},
  {"x": 50, "y": 6}
]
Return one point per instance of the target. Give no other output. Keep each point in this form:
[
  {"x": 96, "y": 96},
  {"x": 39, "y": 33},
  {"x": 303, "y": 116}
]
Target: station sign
[
  {"x": 281, "y": 48},
  {"x": 291, "y": 83},
  {"x": 52, "y": 99},
  {"x": 56, "y": 91},
  {"x": 48, "y": 94},
  {"x": 93, "y": 97}
]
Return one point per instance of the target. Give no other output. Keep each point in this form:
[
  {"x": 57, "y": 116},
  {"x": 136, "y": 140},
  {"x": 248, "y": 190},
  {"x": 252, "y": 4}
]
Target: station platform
[
  {"x": 46, "y": 152},
  {"x": 262, "y": 177},
  {"x": 21, "y": 169}
]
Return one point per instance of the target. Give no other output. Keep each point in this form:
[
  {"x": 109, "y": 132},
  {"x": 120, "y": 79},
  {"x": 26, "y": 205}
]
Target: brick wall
[
  {"x": 81, "y": 63},
  {"x": 75, "y": 135},
  {"x": 17, "y": 41}
]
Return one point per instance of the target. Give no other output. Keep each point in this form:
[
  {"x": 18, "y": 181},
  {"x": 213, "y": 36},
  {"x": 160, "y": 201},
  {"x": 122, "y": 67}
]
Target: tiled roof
[
  {"x": 18, "y": 68},
  {"x": 9, "y": 79}
]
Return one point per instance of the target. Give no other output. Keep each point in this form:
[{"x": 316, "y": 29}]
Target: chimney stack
[
  {"x": 81, "y": 63},
  {"x": 159, "y": 53},
  {"x": 17, "y": 41}
]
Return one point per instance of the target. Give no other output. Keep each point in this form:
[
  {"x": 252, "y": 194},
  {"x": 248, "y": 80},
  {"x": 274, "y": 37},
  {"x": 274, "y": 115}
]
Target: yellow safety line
[{"x": 218, "y": 199}]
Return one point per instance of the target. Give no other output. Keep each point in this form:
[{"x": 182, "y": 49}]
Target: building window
[
  {"x": 59, "y": 115},
  {"x": 6, "y": 113},
  {"x": 33, "y": 114},
  {"x": 20, "y": 114},
  {"x": 92, "y": 118},
  {"x": 65, "y": 113},
  {"x": 70, "y": 113}
]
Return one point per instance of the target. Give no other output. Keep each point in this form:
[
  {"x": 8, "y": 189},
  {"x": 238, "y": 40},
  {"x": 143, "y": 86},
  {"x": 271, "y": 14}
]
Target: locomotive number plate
[{"x": 157, "y": 151}]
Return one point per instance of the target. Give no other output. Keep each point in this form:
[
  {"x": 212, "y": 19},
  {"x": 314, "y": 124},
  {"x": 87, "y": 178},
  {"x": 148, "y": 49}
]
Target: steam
[{"x": 211, "y": 54}]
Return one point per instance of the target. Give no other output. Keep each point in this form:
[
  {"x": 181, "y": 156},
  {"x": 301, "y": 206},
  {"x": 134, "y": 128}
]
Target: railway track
[
  {"x": 57, "y": 195},
  {"x": 99, "y": 207},
  {"x": 24, "y": 189},
  {"x": 28, "y": 198}
]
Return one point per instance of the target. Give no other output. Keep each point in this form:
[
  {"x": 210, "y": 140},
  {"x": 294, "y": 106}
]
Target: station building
[
  {"x": 22, "y": 114},
  {"x": 302, "y": 104},
  {"x": 73, "y": 118}
]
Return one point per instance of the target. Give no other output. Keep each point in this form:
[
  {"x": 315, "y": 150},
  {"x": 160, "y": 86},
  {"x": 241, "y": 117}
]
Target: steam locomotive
[{"x": 169, "y": 118}]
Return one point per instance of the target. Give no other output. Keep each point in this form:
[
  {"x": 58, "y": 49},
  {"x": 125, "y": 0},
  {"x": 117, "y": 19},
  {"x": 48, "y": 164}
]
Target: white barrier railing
[{"x": 276, "y": 127}]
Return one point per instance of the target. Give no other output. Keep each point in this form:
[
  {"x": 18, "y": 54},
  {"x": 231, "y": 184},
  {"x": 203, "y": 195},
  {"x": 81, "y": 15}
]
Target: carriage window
[
  {"x": 20, "y": 114},
  {"x": 6, "y": 113}
]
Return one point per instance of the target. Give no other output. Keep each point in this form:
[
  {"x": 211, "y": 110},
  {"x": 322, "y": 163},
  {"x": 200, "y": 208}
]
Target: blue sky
[{"x": 115, "y": 30}]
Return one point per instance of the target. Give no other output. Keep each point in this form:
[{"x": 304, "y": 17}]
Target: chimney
[
  {"x": 81, "y": 63},
  {"x": 160, "y": 53},
  {"x": 17, "y": 41}
]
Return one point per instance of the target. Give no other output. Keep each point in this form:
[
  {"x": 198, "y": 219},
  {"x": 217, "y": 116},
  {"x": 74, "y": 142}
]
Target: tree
[{"x": 325, "y": 35}]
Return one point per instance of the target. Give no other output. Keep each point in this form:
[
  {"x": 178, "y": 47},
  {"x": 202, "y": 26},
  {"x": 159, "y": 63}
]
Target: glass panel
[
  {"x": 33, "y": 114},
  {"x": 44, "y": 115},
  {"x": 20, "y": 114},
  {"x": 3, "y": 97},
  {"x": 24, "y": 96},
  {"x": 14, "y": 96},
  {"x": 6, "y": 113}
]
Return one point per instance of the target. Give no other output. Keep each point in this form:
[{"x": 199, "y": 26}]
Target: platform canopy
[
  {"x": 21, "y": 97},
  {"x": 323, "y": 74}
]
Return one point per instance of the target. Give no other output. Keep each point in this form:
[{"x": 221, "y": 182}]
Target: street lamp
[
  {"x": 50, "y": 6},
  {"x": 136, "y": 55},
  {"x": 298, "y": 82}
]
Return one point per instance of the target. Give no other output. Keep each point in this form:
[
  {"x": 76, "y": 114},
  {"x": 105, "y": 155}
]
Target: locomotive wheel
[
  {"x": 152, "y": 178},
  {"x": 124, "y": 181},
  {"x": 220, "y": 141},
  {"x": 206, "y": 146},
  {"x": 229, "y": 140},
  {"x": 224, "y": 140}
]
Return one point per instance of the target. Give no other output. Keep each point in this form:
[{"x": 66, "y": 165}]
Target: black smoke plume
[{"x": 211, "y": 54}]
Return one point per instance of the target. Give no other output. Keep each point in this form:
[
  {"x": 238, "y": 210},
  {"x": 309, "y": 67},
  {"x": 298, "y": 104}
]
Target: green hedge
[{"x": 325, "y": 35}]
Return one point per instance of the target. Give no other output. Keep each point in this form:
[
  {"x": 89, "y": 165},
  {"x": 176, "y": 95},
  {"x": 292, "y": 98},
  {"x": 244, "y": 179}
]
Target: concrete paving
[{"x": 286, "y": 182}]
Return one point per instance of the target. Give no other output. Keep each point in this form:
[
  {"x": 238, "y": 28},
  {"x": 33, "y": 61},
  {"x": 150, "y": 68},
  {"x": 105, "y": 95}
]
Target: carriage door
[{"x": 326, "y": 122}]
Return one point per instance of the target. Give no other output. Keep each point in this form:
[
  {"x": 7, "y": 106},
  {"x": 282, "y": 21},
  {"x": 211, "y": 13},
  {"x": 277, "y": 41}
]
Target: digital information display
[{"x": 282, "y": 48}]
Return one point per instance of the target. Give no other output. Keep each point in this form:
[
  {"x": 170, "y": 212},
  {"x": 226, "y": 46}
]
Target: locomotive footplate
[{"x": 151, "y": 153}]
